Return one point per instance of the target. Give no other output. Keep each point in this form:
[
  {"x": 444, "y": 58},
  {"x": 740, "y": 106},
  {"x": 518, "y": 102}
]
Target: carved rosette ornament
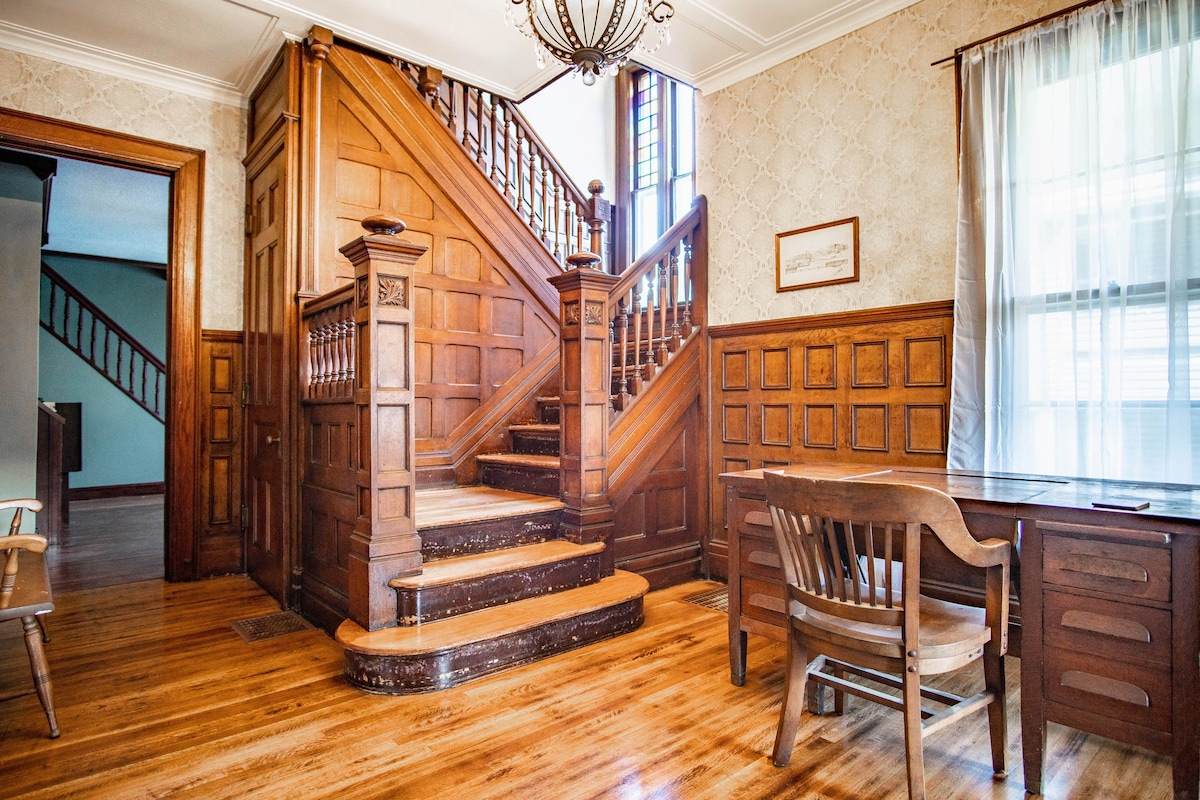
[
  {"x": 392, "y": 291},
  {"x": 570, "y": 314},
  {"x": 593, "y": 313}
]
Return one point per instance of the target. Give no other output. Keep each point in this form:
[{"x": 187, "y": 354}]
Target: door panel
[{"x": 268, "y": 400}]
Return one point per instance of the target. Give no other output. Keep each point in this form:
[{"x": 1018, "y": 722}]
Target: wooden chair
[
  {"x": 25, "y": 595},
  {"x": 854, "y": 604}
]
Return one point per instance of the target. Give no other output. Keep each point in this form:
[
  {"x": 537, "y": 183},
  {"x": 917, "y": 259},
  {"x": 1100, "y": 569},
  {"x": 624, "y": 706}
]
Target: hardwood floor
[
  {"x": 109, "y": 542},
  {"x": 158, "y": 697}
]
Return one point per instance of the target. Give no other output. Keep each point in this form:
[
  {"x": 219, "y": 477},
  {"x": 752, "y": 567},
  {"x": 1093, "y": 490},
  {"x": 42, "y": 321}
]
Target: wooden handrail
[
  {"x": 498, "y": 138},
  {"x": 148, "y": 388}
]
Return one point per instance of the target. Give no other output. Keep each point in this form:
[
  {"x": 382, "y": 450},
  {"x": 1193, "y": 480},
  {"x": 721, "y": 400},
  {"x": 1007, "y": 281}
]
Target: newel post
[
  {"x": 586, "y": 369},
  {"x": 385, "y": 543}
]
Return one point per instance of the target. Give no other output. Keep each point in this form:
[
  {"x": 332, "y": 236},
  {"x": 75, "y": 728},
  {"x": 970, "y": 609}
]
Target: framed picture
[{"x": 817, "y": 256}]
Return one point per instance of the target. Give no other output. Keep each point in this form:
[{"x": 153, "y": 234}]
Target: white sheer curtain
[{"x": 1077, "y": 321}]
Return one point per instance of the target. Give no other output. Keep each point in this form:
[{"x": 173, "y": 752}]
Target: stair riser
[
  {"x": 417, "y": 606},
  {"x": 537, "y": 444},
  {"x": 489, "y": 534},
  {"x": 548, "y": 414},
  {"x": 520, "y": 479},
  {"x": 428, "y": 672}
]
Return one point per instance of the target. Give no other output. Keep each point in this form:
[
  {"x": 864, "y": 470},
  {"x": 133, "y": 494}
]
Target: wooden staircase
[{"x": 498, "y": 589}]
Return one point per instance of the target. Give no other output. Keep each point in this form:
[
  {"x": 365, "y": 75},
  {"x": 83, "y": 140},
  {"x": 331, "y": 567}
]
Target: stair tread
[
  {"x": 449, "y": 570},
  {"x": 459, "y": 504},
  {"x": 520, "y": 459},
  {"x": 536, "y": 427},
  {"x": 491, "y": 623}
]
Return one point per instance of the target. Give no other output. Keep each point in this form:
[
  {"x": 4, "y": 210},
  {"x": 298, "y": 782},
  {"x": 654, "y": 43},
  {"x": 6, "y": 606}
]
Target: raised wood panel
[
  {"x": 657, "y": 526},
  {"x": 328, "y": 507},
  {"x": 219, "y": 538},
  {"x": 479, "y": 327},
  {"x": 869, "y": 387}
]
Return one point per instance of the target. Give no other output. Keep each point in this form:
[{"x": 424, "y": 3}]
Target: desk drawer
[
  {"x": 1107, "y": 628},
  {"x": 1115, "y": 689},
  {"x": 1129, "y": 570}
]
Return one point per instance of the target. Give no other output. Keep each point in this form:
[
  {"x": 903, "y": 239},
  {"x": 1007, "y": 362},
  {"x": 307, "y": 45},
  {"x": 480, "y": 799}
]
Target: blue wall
[{"x": 121, "y": 442}]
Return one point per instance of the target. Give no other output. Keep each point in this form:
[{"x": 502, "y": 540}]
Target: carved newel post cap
[
  {"x": 583, "y": 260},
  {"x": 595, "y": 187},
  {"x": 384, "y": 224}
]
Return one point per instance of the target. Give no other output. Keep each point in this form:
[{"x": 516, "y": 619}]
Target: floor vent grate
[
  {"x": 257, "y": 629},
  {"x": 716, "y": 599}
]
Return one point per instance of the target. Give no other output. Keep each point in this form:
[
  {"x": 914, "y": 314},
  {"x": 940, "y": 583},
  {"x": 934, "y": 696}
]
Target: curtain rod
[{"x": 1071, "y": 9}]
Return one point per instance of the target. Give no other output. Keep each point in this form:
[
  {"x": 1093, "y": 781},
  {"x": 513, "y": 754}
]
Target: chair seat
[
  {"x": 949, "y": 631},
  {"x": 31, "y": 589}
]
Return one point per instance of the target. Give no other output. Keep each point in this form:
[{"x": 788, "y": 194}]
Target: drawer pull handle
[
  {"x": 1105, "y": 625},
  {"x": 1105, "y": 567},
  {"x": 760, "y": 518},
  {"x": 1107, "y": 687},
  {"x": 767, "y": 601},
  {"x": 764, "y": 558}
]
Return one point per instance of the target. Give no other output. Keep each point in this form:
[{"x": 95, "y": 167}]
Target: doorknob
[{"x": 272, "y": 440}]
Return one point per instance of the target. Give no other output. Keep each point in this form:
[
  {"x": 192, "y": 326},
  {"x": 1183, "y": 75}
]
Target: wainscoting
[{"x": 864, "y": 387}]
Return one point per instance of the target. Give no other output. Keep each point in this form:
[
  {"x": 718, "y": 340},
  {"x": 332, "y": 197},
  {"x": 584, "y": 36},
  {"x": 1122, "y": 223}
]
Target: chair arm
[
  {"x": 25, "y": 541},
  {"x": 22, "y": 502}
]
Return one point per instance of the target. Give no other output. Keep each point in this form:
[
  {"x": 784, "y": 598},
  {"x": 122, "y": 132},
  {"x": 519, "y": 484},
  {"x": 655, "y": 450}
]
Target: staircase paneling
[
  {"x": 482, "y": 316},
  {"x": 863, "y": 387},
  {"x": 219, "y": 537}
]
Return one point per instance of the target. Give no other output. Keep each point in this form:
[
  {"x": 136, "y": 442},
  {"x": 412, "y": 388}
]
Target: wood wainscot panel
[
  {"x": 219, "y": 538},
  {"x": 863, "y": 387},
  {"x": 485, "y": 319}
]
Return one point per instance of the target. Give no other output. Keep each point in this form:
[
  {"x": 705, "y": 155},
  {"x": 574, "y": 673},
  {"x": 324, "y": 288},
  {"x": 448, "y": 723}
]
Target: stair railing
[
  {"x": 494, "y": 133},
  {"x": 328, "y": 325},
  {"x": 96, "y": 338},
  {"x": 656, "y": 306}
]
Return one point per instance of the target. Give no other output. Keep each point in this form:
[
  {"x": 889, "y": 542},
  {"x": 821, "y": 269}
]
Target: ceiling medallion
[{"x": 593, "y": 37}]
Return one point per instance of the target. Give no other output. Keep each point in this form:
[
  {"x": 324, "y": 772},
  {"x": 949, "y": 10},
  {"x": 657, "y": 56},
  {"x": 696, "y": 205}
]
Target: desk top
[{"x": 1163, "y": 501}]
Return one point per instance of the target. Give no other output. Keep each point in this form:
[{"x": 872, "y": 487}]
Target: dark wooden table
[{"x": 1106, "y": 608}]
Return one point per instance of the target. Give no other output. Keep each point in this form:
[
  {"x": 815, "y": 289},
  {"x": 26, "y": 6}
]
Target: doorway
[{"x": 184, "y": 169}]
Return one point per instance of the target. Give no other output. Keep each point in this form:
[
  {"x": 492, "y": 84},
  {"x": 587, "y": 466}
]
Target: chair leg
[
  {"x": 40, "y": 669},
  {"x": 793, "y": 700},
  {"x": 914, "y": 749},
  {"x": 993, "y": 678}
]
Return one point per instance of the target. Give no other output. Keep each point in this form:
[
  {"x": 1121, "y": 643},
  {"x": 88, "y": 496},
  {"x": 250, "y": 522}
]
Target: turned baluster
[
  {"x": 321, "y": 368},
  {"x": 106, "y": 339},
  {"x": 533, "y": 188},
  {"x": 687, "y": 273},
  {"x": 466, "y": 116},
  {"x": 494, "y": 148},
  {"x": 313, "y": 375},
  {"x": 661, "y": 353},
  {"x": 674, "y": 295},
  {"x": 520, "y": 172},
  {"x": 622, "y": 321},
  {"x": 92, "y": 343},
  {"x": 508, "y": 193},
  {"x": 558, "y": 208},
  {"x": 640, "y": 367},
  {"x": 479, "y": 131},
  {"x": 346, "y": 368},
  {"x": 452, "y": 120},
  {"x": 79, "y": 329},
  {"x": 546, "y": 218}
]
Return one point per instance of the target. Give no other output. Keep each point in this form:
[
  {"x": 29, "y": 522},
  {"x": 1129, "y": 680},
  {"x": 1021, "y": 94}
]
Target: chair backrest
[{"x": 852, "y": 548}]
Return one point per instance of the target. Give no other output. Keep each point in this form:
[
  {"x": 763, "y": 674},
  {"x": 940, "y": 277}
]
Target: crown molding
[{"x": 23, "y": 40}]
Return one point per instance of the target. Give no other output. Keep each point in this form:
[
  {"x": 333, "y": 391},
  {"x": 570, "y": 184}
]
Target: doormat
[
  {"x": 257, "y": 629},
  {"x": 716, "y": 599}
]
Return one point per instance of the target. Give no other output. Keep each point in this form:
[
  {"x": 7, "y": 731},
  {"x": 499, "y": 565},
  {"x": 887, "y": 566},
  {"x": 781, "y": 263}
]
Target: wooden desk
[{"x": 1108, "y": 601}]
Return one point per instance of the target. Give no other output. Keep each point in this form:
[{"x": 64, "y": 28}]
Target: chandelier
[{"x": 594, "y": 37}]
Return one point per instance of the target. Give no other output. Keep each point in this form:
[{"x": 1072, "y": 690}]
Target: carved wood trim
[
  {"x": 873, "y": 316},
  {"x": 186, "y": 167}
]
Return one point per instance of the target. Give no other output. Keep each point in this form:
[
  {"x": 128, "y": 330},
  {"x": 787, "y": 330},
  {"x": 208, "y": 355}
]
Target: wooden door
[{"x": 268, "y": 401}]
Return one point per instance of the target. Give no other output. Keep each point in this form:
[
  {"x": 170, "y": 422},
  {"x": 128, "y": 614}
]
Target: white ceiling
[{"x": 218, "y": 48}]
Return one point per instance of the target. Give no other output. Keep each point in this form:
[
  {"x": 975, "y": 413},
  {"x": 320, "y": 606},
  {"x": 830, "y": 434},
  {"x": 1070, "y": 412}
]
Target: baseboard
[{"x": 116, "y": 490}]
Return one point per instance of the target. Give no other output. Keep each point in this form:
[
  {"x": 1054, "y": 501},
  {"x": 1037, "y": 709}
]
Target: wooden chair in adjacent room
[
  {"x": 25, "y": 595},
  {"x": 854, "y": 604}
]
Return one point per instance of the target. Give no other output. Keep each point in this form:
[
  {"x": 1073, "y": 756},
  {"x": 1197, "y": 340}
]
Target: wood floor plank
[{"x": 159, "y": 697}]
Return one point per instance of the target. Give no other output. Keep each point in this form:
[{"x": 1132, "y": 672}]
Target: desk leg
[
  {"x": 1185, "y": 672},
  {"x": 1033, "y": 718},
  {"x": 737, "y": 658},
  {"x": 737, "y": 636}
]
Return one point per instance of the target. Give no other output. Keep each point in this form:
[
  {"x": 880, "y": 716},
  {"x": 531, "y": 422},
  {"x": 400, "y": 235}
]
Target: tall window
[
  {"x": 663, "y": 155},
  {"x": 1077, "y": 329}
]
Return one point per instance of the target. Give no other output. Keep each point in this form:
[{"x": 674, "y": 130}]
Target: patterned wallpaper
[
  {"x": 862, "y": 126},
  {"x": 51, "y": 89}
]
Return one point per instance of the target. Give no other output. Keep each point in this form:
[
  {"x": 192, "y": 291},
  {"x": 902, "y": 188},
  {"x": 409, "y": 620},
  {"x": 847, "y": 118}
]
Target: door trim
[{"x": 185, "y": 167}]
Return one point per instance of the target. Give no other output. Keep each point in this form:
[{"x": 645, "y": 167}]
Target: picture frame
[{"x": 819, "y": 255}]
